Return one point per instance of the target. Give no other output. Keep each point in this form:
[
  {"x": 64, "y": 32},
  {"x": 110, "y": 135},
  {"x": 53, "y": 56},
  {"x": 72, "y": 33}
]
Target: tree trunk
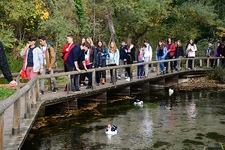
[{"x": 110, "y": 22}]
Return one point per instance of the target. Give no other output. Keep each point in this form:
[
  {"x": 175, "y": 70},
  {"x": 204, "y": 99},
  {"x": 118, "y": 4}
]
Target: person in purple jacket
[{"x": 218, "y": 45}]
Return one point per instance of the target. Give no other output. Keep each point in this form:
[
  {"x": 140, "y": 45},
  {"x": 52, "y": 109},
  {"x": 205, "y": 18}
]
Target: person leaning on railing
[
  {"x": 4, "y": 67},
  {"x": 75, "y": 57}
]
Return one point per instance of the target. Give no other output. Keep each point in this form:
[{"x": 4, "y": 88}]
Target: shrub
[{"x": 217, "y": 74}]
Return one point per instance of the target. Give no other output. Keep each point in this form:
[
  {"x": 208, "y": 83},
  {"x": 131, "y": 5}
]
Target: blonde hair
[
  {"x": 114, "y": 49},
  {"x": 180, "y": 44},
  {"x": 91, "y": 42}
]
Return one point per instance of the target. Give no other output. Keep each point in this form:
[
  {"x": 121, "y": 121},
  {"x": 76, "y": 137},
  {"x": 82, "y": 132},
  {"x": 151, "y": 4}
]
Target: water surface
[{"x": 196, "y": 120}]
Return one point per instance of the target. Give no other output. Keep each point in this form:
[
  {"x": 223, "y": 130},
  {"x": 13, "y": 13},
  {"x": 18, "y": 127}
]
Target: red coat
[
  {"x": 65, "y": 53},
  {"x": 172, "y": 49}
]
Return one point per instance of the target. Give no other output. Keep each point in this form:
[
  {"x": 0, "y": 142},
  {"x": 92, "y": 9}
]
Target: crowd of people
[{"x": 88, "y": 55}]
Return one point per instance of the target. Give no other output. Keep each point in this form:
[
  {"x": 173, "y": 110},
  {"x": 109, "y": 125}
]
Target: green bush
[
  {"x": 5, "y": 93},
  {"x": 217, "y": 74}
]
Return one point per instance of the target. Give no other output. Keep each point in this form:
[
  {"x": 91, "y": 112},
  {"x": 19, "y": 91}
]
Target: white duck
[
  {"x": 111, "y": 130},
  {"x": 138, "y": 102},
  {"x": 170, "y": 91}
]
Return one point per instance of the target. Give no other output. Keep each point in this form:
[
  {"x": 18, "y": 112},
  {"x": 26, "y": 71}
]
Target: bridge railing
[{"x": 32, "y": 94}]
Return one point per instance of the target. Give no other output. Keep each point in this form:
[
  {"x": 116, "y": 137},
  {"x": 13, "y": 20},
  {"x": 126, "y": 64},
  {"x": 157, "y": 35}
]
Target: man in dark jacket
[
  {"x": 4, "y": 67},
  {"x": 221, "y": 53},
  {"x": 75, "y": 57},
  {"x": 123, "y": 58}
]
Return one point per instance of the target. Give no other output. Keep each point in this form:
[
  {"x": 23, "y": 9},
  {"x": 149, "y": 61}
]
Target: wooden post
[
  {"x": 207, "y": 63},
  {"x": 193, "y": 63},
  {"x": 1, "y": 131},
  {"x": 186, "y": 64},
  {"x": 49, "y": 84},
  {"x": 146, "y": 72},
  {"x": 169, "y": 67},
  {"x": 131, "y": 73},
  {"x": 16, "y": 112},
  {"x": 37, "y": 90},
  {"x": 114, "y": 76},
  {"x": 200, "y": 63},
  {"x": 158, "y": 72},
  {"x": 179, "y": 62},
  {"x": 93, "y": 80},
  {"x": 68, "y": 85},
  {"x": 33, "y": 95},
  {"x": 152, "y": 70},
  {"x": 218, "y": 62},
  {"x": 27, "y": 105}
]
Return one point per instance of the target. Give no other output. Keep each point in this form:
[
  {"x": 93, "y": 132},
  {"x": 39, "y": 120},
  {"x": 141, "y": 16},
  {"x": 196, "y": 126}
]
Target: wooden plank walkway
[{"x": 15, "y": 142}]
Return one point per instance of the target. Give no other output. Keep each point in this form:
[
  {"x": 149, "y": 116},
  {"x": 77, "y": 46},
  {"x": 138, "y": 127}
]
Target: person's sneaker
[
  {"x": 118, "y": 77},
  {"x": 98, "y": 84},
  {"x": 55, "y": 90},
  {"x": 141, "y": 77},
  {"x": 42, "y": 92},
  {"x": 189, "y": 68},
  {"x": 88, "y": 87},
  {"x": 137, "y": 77},
  {"x": 194, "y": 68},
  {"x": 77, "y": 90},
  {"x": 85, "y": 84},
  {"x": 128, "y": 79},
  {"x": 65, "y": 89},
  {"x": 161, "y": 73}
]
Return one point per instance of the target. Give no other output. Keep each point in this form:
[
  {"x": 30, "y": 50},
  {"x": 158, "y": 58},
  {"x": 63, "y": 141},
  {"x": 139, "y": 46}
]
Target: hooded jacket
[
  {"x": 49, "y": 55},
  {"x": 210, "y": 51}
]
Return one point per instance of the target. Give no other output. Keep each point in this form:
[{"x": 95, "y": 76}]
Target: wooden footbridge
[{"x": 18, "y": 112}]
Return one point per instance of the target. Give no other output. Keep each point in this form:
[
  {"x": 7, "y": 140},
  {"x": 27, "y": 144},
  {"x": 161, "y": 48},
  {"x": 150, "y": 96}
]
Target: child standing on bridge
[{"x": 141, "y": 59}]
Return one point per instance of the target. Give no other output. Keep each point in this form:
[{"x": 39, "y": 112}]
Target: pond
[{"x": 183, "y": 121}]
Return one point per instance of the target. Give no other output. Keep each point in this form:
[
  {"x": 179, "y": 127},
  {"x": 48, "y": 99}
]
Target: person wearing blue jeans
[
  {"x": 141, "y": 59},
  {"x": 161, "y": 52}
]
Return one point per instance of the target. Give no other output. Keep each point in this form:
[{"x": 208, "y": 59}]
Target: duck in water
[{"x": 112, "y": 130}]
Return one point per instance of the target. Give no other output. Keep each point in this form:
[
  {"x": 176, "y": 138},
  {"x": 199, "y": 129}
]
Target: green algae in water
[
  {"x": 197, "y": 137},
  {"x": 216, "y": 136},
  {"x": 139, "y": 106},
  {"x": 187, "y": 141},
  {"x": 161, "y": 143},
  {"x": 200, "y": 134}
]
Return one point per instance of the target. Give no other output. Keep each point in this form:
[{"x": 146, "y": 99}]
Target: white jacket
[
  {"x": 148, "y": 51},
  {"x": 191, "y": 50}
]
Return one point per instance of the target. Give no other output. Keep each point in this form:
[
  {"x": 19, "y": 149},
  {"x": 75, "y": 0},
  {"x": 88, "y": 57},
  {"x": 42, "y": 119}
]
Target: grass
[{"x": 5, "y": 93}]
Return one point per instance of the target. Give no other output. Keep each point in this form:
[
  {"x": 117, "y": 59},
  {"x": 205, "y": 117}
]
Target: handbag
[
  {"x": 23, "y": 72},
  {"x": 87, "y": 61}
]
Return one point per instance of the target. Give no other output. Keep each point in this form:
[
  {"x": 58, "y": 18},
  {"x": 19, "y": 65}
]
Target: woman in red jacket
[{"x": 170, "y": 54}]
